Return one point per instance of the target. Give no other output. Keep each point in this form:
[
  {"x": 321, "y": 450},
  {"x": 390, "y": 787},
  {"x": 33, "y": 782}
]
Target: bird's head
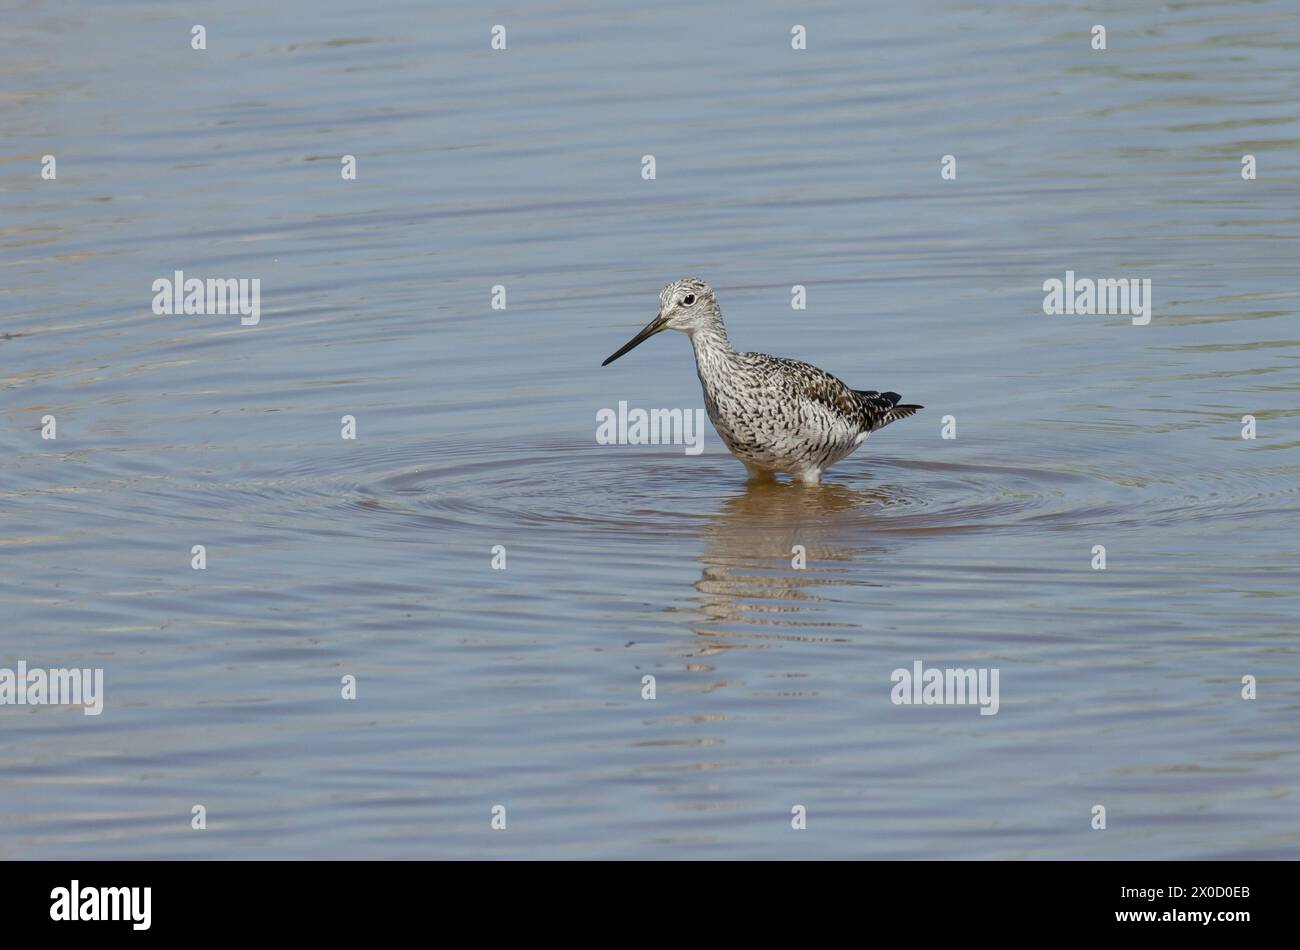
[{"x": 686, "y": 305}]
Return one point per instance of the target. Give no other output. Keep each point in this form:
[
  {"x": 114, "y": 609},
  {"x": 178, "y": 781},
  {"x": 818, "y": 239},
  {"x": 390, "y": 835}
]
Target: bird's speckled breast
[{"x": 763, "y": 412}]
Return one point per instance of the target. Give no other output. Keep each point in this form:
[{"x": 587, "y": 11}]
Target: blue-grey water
[{"x": 774, "y": 167}]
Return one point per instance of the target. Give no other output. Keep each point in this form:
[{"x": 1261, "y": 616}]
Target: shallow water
[{"x": 522, "y": 687}]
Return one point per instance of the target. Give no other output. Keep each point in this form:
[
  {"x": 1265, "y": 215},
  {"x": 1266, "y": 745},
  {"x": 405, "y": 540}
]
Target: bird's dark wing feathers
[
  {"x": 883, "y": 408},
  {"x": 872, "y": 410},
  {"x": 806, "y": 380}
]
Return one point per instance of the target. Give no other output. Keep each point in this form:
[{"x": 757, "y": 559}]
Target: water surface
[{"x": 476, "y": 428}]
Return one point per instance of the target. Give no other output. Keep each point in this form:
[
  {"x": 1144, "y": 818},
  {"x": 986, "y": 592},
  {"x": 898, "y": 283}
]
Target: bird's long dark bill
[{"x": 654, "y": 326}]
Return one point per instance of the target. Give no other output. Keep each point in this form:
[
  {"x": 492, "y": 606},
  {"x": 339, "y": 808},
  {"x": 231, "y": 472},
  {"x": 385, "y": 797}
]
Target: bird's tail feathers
[
  {"x": 901, "y": 412},
  {"x": 892, "y": 411},
  {"x": 887, "y": 404}
]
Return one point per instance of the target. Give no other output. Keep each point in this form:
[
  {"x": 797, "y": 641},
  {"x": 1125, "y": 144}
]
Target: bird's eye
[{"x": 688, "y": 299}]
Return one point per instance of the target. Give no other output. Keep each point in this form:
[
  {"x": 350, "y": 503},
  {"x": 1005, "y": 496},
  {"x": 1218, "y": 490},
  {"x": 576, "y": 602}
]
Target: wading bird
[{"x": 774, "y": 414}]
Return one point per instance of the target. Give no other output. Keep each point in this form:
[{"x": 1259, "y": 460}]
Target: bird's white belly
[{"x": 782, "y": 441}]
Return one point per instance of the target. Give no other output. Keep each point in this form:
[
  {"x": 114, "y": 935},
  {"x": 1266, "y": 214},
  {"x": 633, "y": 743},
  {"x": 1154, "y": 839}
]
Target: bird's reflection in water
[{"x": 773, "y": 554}]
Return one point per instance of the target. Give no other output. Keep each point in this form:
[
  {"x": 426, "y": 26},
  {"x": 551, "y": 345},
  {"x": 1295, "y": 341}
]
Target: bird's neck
[{"x": 713, "y": 352}]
